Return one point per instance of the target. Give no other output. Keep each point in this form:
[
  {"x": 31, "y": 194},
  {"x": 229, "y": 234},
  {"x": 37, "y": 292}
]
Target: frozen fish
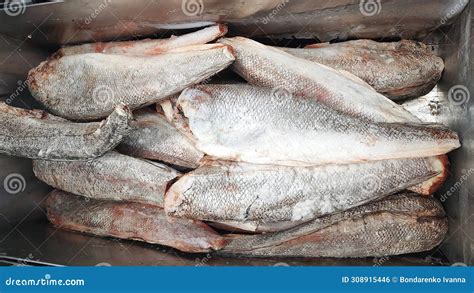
[
  {"x": 223, "y": 191},
  {"x": 289, "y": 75},
  {"x": 254, "y": 125},
  {"x": 135, "y": 221},
  {"x": 113, "y": 176},
  {"x": 399, "y": 224}
]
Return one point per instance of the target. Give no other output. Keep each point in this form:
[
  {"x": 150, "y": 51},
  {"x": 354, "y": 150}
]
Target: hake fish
[
  {"x": 36, "y": 134},
  {"x": 221, "y": 192},
  {"x": 399, "y": 224},
  {"x": 270, "y": 67},
  {"x": 431, "y": 185},
  {"x": 155, "y": 138},
  {"x": 113, "y": 176},
  {"x": 89, "y": 86},
  {"x": 399, "y": 70},
  {"x": 255, "y": 125},
  {"x": 147, "y": 46},
  {"x": 126, "y": 220}
]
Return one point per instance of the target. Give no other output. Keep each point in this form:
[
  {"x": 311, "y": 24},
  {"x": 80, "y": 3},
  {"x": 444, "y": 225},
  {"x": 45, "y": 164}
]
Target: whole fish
[
  {"x": 36, "y": 134},
  {"x": 113, "y": 176},
  {"x": 399, "y": 224},
  {"x": 222, "y": 192},
  {"x": 126, "y": 220},
  {"x": 89, "y": 86},
  {"x": 147, "y": 46},
  {"x": 155, "y": 138},
  {"x": 244, "y": 123},
  {"x": 399, "y": 70},
  {"x": 289, "y": 75}
]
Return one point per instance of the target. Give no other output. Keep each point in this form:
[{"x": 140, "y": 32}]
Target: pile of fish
[{"x": 311, "y": 157}]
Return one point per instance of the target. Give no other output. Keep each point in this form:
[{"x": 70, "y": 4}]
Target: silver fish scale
[
  {"x": 154, "y": 138},
  {"x": 112, "y": 176},
  {"x": 95, "y": 82},
  {"x": 241, "y": 192},
  {"x": 398, "y": 224}
]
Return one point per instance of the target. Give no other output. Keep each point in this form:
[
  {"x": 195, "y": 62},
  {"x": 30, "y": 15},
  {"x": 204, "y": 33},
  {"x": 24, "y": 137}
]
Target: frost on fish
[
  {"x": 270, "y": 67},
  {"x": 36, "y": 134},
  {"x": 89, "y": 86},
  {"x": 113, "y": 176},
  {"x": 399, "y": 70},
  {"x": 223, "y": 192},
  {"x": 435, "y": 108},
  {"x": 398, "y": 224},
  {"x": 255, "y": 125},
  {"x": 155, "y": 138},
  {"x": 127, "y": 220},
  {"x": 147, "y": 46},
  {"x": 431, "y": 185}
]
